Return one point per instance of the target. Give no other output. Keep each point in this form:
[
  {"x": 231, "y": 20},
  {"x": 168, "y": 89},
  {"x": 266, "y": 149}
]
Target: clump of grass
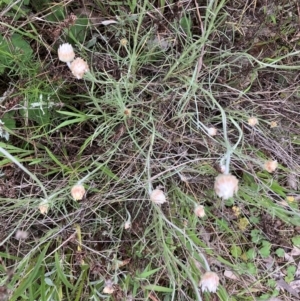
[{"x": 170, "y": 101}]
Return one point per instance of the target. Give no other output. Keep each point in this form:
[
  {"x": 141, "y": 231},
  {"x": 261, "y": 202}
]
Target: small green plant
[
  {"x": 290, "y": 273},
  {"x": 15, "y": 53}
]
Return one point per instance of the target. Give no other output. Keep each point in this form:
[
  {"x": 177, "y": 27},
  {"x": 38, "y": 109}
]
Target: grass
[{"x": 161, "y": 74}]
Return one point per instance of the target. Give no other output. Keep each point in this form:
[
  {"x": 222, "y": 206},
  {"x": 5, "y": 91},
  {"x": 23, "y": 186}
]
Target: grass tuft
[{"x": 177, "y": 93}]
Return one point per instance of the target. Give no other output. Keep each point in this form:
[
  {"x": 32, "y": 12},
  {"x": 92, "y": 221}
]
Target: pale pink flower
[
  {"x": 222, "y": 168},
  {"x": 209, "y": 282},
  {"x": 79, "y": 67},
  {"x": 66, "y": 53},
  {"x": 127, "y": 225},
  {"x": 199, "y": 211},
  {"x": 226, "y": 186},
  {"x": 44, "y": 207},
  {"x": 157, "y": 196},
  {"x": 20, "y": 235},
  {"x": 253, "y": 121},
  {"x": 271, "y": 166},
  {"x": 109, "y": 288},
  {"x": 212, "y": 131},
  {"x": 77, "y": 192}
]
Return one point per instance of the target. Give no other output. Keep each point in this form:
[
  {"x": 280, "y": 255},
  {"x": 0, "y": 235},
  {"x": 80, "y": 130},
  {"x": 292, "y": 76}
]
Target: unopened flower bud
[
  {"x": 199, "y": 211},
  {"x": 123, "y": 42},
  {"x": 109, "y": 288},
  {"x": 127, "y": 225},
  {"x": 127, "y": 112},
  {"x": 43, "y": 207},
  {"x": 66, "y": 53}
]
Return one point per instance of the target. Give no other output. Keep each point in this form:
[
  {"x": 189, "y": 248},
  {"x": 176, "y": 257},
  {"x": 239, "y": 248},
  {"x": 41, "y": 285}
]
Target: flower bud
[
  {"x": 226, "y": 186},
  {"x": 253, "y": 121},
  {"x": 77, "y": 192},
  {"x": 66, "y": 53},
  {"x": 209, "y": 282},
  {"x": 109, "y": 287},
  {"x": 123, "y": 42},
  {"x": 157, "y": 196},
  {"x": 43, "y": 207},
  {"x": 108, "y": 290},
  {"x": 199, "y": 211},
  {"x": 127, "y": 225},
  {"x": 21, "y": 235},
  {"x": 212, "y": 131},
  {"x": 270, "y": 166},
  {"x": 79, "y": 67}
]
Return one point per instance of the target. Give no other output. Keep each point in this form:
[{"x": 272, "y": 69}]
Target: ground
[{"x": 177, "y": 93}]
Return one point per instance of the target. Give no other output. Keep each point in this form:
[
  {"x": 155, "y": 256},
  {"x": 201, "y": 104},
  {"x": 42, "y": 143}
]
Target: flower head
[
  {"x": 157, "y": 196},
  {"x": 253, "y": 121},
  {"x": 123, "y": 42},
  {"x": 127, "y": 225},
  {"x": 21, "y": 234},
  {"x": 226, "y": 186},
  {"x": 209, "y": 282},
  {"x": 212, "y": 131},
  {"x": 199, "y": 211},
  {"x": 66, "y": 53},
  {"x": 43, "y": 207},
  {"x": 77, "y": 192},
  {"x": 127, "y": 112},
  {"x": 79, "y": 67},
  {"x": 109, "y": 288},
  {"x": 273, "y": 124},
  {"x": 271, "y": 166}
]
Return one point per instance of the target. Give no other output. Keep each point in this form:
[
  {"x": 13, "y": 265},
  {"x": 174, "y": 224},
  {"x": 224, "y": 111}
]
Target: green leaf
[
  {"x": 235, "y": 251},
  {"x": 32, "y": 271},
  {"x": 256, "y": 237},
  {"x": 146, "y": 273},
  {"x": 186, "y": 24},
  {"x": 157, "y": 288},
  {"x": 21, "y": 47},
  {"x": 41, "y": 117},
  {"x": 78, "y": 31},
  {"x": 265, "y": 250},
  {"x": 296, "y": 241},
  {"x": 61, "y": 273},
  {"x": 291, "y": 270},
  {"x": 280, "y": 252},
  {"x": 71, "y": 121},
  {"x": 52, "y": 156},
  {"x": 251, "y": 268},
  {"x": 58, "y": 14},
  {"x": 251, "y": 254},
  {"x": 8, "y": 119},
  {"x": 49, "y": 282}
]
